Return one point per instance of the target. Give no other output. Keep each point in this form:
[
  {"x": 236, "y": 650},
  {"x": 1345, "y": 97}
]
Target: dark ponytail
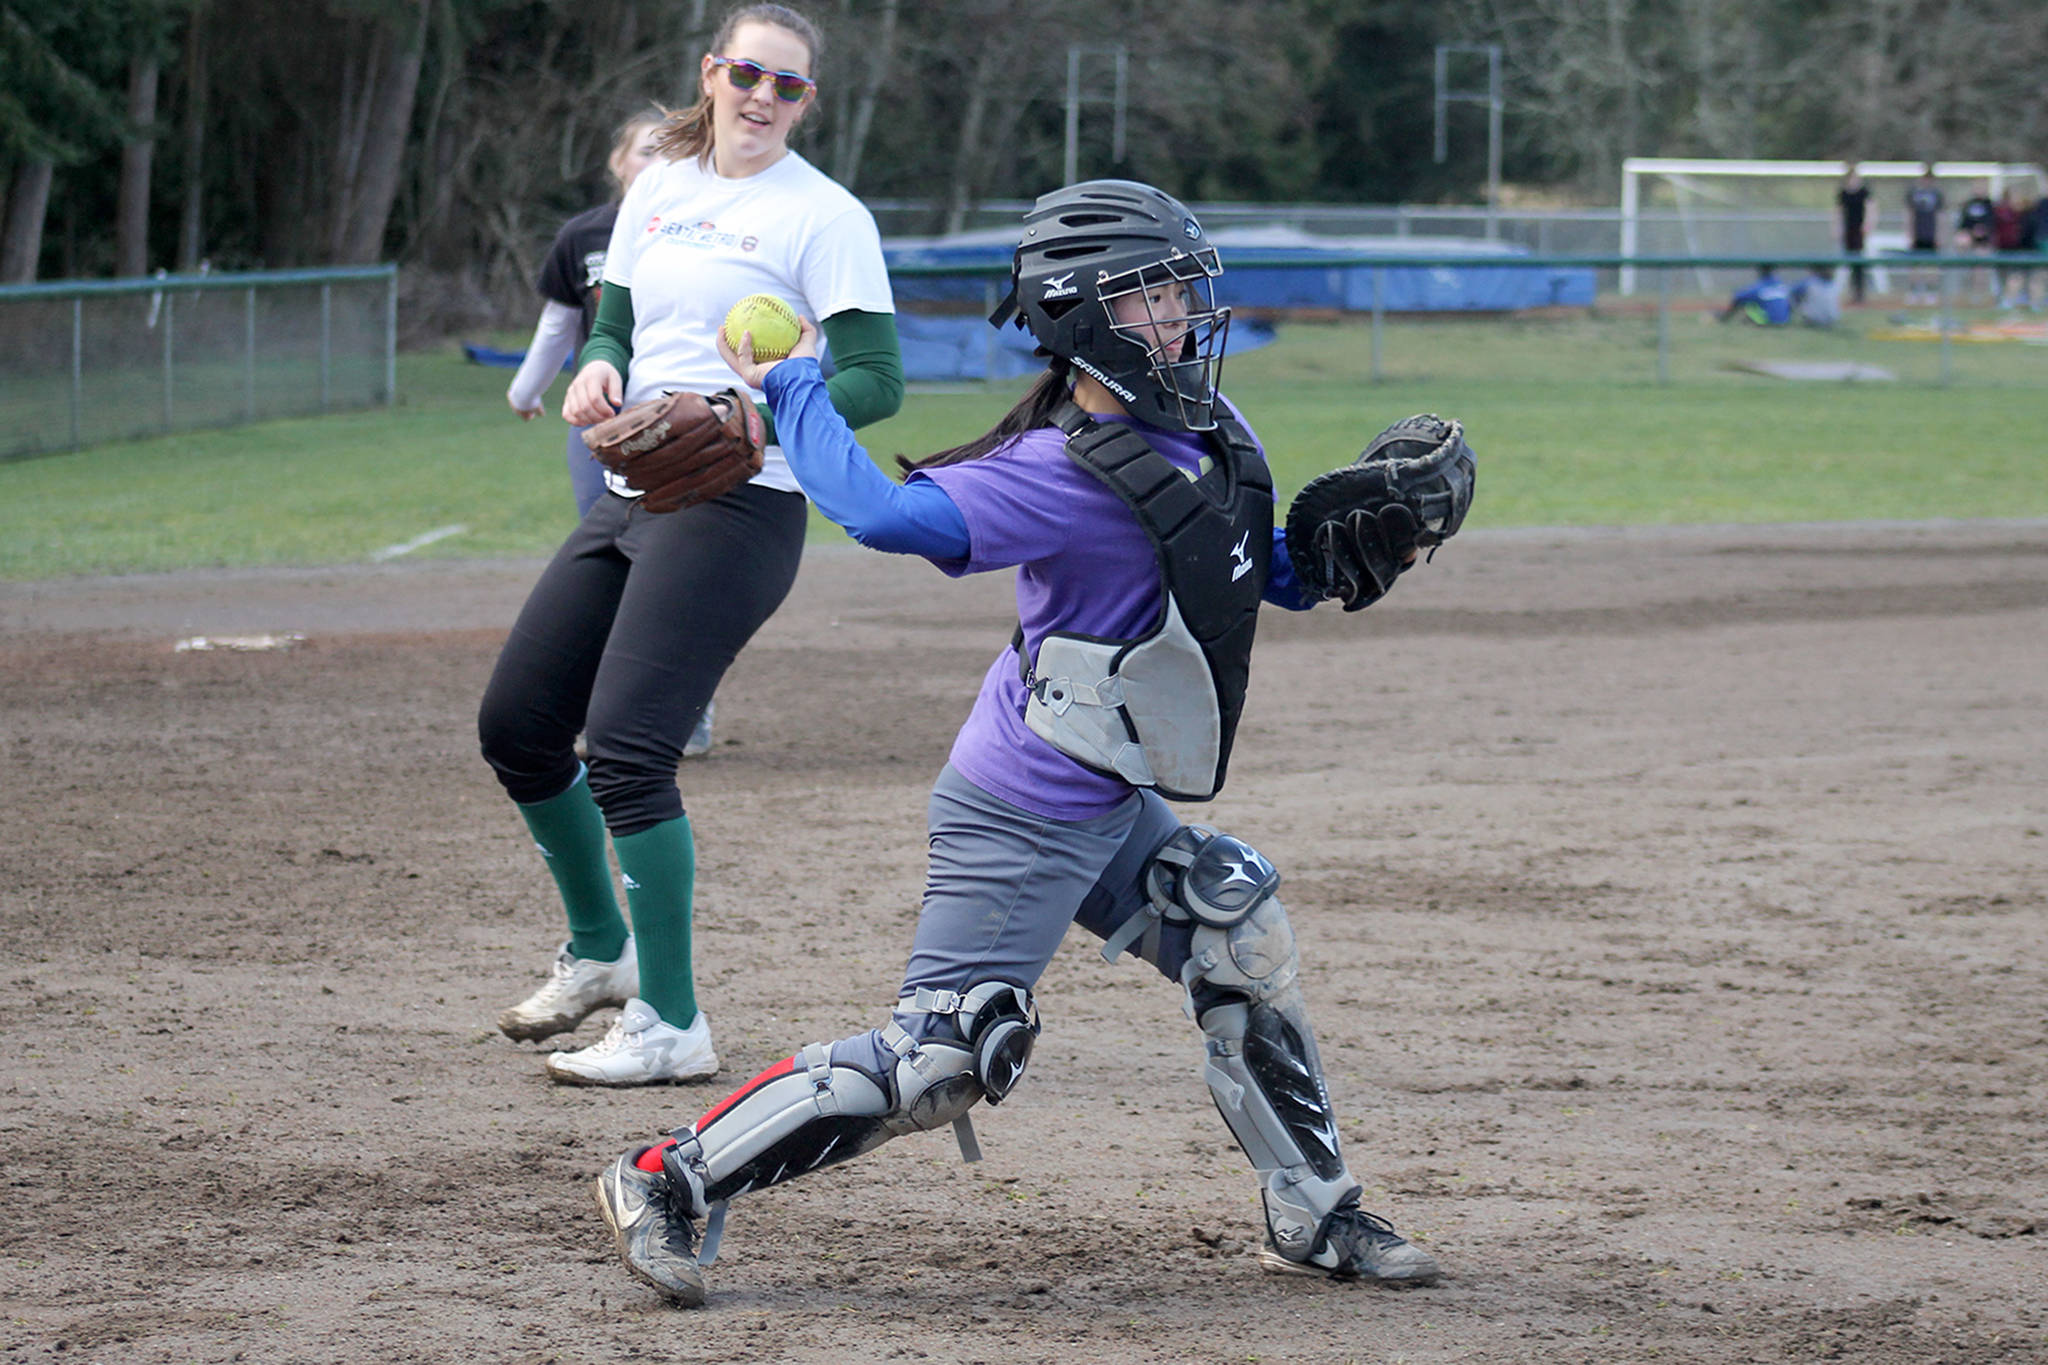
[{"x": 1034, "y": 410}]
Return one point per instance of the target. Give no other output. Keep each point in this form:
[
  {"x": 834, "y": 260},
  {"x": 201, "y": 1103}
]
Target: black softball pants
[{"x": 624, "y": 640}]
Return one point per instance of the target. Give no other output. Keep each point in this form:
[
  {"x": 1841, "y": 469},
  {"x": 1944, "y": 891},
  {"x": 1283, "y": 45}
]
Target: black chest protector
[{"x": 1161, "y": 710}]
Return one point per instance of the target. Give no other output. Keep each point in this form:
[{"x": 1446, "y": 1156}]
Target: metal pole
[
  {"x": 1379, "y": 316},
  {"x": 1663, "y": 326},
  {"x": 326, "y": 344},
  {"x": 167, "y": 360},
  {"x": 249, "y": 354},
  {"x": 1072, "y": 165},
  {"x": 1947, "y": 323},
  {"x": 77, "y": 370},
  {"x": 988, "y": 340},
  {"x": 1116, "y": 144},
  {"x": 1631, "y": 204},
  {"x": 1493, "y": 113},
  {"x": 1443, "y": 62},
  {"x": 391, "y": 341},
  {"x": 1445, "y": 97}
]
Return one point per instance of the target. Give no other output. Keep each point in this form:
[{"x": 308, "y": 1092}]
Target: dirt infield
[{"x": 1673, "y": 908}]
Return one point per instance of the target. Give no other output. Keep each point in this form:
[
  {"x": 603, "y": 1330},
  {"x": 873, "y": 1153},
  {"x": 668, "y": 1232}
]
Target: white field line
[{"x": 417, "y": 542}]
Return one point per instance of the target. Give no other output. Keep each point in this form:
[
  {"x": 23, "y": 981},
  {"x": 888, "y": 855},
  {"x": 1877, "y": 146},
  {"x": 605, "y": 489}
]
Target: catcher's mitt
[
  {"x": 682, "y": 448},
  {"x": 1352, "y": 531}
]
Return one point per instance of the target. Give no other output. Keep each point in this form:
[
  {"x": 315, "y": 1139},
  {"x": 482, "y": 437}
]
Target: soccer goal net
[{"x": 1728, "y": 207}]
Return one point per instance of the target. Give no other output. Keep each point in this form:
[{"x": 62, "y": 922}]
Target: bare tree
[
  {"x": 878, "y": 64},
  {"x": 191, "y": 214},
  {"x": 965, "y": 184},
  {"x": 28, "y": 201},
  {"x": 376, "y": 133},
  {"x": 131, "y": 212}
]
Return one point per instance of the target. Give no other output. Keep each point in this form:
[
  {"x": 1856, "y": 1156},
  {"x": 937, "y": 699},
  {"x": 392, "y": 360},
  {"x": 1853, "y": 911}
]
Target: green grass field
[{"x": 1566, "y": 415}]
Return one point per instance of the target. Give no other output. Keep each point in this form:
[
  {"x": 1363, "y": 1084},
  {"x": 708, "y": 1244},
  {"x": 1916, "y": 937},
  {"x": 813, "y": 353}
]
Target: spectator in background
[
  {"x": 1815, "y": 300},
  {"x": 2033, "y": 218},
  {"x": 1923, "y": 229},
  {"x": 1767, "y": 303},
  {"x": 2038, "y": 239},
  {"x": 570, "y": 283},
  {"x": 1853, "y": 223},
  {"x": 1973, "y": 231},
  {"x": 2009, "y": 221}
]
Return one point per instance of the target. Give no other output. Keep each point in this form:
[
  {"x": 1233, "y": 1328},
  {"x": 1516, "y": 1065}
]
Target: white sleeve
[
  {"x": 842, "y": 266},
  {"x": 553, "y": 338}
]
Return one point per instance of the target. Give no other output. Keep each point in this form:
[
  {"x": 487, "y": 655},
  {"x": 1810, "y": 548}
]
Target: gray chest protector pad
[{"x": 1161, "y": 710}]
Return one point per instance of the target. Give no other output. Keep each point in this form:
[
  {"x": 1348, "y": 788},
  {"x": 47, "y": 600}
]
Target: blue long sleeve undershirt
[
  {"x": 902, "y": 518},
  {"x": 915, "y": 518}
]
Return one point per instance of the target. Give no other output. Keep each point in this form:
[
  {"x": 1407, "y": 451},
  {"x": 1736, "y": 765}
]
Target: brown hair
[
  {"x": 687, "y": 133},
  {"x": 651, "y": 115},
  {"x": 1034, "y": 410}
]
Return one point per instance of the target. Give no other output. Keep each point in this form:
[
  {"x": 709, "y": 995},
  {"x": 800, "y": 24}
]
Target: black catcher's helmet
[{"x": 1119, "y": 279}]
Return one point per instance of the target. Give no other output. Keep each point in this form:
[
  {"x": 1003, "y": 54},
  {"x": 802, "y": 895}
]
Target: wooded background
[{"x": 454, "y": 136}]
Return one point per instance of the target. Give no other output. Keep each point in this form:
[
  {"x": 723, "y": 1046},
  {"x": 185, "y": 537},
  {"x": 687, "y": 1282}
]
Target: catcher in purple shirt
[{"x": 1136, "y": 507}]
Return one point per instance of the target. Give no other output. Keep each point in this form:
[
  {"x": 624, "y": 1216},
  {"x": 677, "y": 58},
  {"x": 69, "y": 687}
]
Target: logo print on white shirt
[{"x": 1244, "y": 562}]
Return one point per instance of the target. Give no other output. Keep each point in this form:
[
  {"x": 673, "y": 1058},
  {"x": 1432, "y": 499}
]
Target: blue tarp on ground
[
  {"x": 961, "y": 345},
  {"x": 510, "y": 360},
  {"x": 1478, "y": 287}
]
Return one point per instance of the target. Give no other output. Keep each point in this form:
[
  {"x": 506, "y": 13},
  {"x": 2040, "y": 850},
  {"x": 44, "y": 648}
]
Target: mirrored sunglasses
[{"x": 745, "y": 75}]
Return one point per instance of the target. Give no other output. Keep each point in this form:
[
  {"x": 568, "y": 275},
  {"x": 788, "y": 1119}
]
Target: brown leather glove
[{"x": 682, "y": 448}]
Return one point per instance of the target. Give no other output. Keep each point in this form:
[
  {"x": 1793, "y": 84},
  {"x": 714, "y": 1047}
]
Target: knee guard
[
  {"x": 824, "y": 1105},
  {"x": 1242, "y": 985}
]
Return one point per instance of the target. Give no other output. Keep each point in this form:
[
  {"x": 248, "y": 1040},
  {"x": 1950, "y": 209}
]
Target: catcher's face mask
[{"x": 1169, "y": 312}]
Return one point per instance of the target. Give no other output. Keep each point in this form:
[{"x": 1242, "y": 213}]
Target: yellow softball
[{"x": 772, "y": 322}]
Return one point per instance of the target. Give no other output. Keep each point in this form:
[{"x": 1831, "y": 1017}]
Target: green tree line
[{"x": 455, "y": 135}]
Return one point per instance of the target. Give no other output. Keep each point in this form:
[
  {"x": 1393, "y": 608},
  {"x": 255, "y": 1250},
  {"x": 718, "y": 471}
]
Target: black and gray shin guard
[
  {"x": 1241, "y": 979},
  {"x": 832, "y": 1102}
]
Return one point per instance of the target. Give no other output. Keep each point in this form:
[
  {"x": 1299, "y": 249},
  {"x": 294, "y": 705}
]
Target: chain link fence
[
  {"x": 1780, "y": 234},
  {"x": 87, "y": 361}
]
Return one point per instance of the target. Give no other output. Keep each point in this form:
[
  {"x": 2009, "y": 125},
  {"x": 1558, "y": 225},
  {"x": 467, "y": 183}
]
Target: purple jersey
[{"x": 1084, "y": 566}]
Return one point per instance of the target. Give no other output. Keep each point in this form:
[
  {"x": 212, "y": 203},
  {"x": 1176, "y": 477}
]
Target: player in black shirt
[
  {"x": 570, "y": 282},
  {"x": 1923, "y": 223},
  {"x": 1852, "y": 203},
  {"x": 1974, "y": 225}
]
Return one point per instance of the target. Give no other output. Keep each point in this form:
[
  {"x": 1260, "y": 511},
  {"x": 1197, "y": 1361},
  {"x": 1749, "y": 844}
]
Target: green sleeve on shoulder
[{"x": 867, "y": 384}]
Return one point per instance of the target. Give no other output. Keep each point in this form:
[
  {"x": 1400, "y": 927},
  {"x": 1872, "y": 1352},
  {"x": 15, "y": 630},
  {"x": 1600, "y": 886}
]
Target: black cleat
[
  {"x": 1356, "y": 1245},
  {"x": 652, "y": 1225}
]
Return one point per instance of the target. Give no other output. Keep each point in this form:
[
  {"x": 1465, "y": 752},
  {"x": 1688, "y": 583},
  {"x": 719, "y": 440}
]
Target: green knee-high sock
[
  {"x": 661, "y": 870},
  {"x": 570, "y": 833}
]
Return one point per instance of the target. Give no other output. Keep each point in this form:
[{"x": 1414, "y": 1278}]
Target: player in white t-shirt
[{"x": 630, "y": 628}]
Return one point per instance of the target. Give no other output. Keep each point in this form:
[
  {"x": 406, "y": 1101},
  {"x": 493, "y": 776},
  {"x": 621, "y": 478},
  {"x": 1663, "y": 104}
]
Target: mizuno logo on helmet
[{"x": 1061, "y": 286}]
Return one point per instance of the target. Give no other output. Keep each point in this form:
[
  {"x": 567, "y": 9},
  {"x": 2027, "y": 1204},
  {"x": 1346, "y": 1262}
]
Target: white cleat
[
  {"x": 576, "y": 988},
  {"x": 640, "y": 1049},
  {"x": 699, "y": 742}
]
